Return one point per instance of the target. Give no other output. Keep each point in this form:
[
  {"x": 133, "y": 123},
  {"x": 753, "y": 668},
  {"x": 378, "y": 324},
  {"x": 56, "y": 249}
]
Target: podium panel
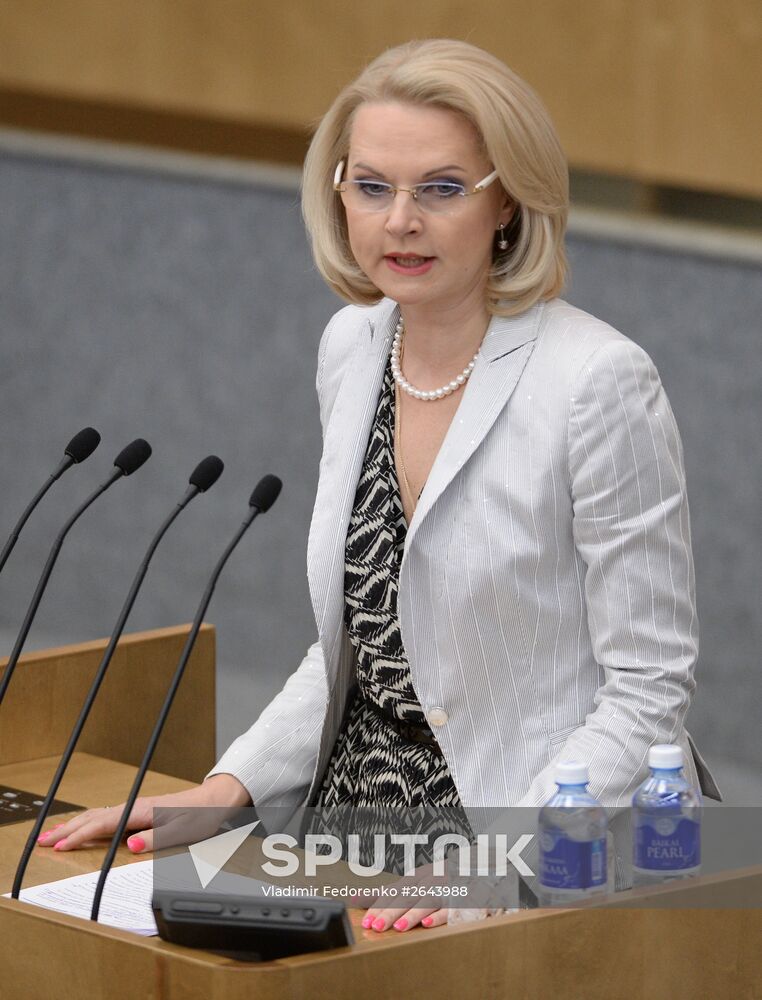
[
  {"x": 634, "y": 951},
  {"x": 49, "y": 687}
]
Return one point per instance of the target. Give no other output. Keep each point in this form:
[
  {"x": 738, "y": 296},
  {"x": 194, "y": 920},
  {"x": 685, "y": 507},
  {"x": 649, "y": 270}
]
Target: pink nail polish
[
  {"x": 367, "y": 922},
  {"x": 401, "y": 924},
  {"x": 60, "y": 845},
  {"x": 427, "y": 921},
  {"x": 378, "y": 924},
  {"x": 136, "y": 844}
]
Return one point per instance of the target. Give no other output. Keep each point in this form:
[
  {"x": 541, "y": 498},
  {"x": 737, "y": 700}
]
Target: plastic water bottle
[
  {"x": 572, "y": 835},
  {"x": 666, "y": 821}
]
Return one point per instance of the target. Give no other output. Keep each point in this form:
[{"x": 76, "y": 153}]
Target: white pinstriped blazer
[{"x": 546, "y": 592}]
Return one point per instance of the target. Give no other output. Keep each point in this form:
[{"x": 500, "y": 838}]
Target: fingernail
[
  {"x": 401, "y": 924},
  {"x": 367, "y": 922},
  {"x": 136, "y": 844},
  {"x": 378, "y": 924},
  {"x": 43, "y": 836},
  {"x": 427, "y": 921},
  {"x": 57, "y": 825},
  {"x": 60, "y": 845}
]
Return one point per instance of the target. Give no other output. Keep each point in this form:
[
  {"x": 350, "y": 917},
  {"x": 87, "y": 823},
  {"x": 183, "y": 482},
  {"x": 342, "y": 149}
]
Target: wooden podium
[{"x": 600, "y": 952}]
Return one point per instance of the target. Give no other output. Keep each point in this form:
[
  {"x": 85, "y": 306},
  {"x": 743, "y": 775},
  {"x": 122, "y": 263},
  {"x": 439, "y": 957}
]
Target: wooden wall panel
[
  {"x": 660, "y": 91},
  {"x": 701, "y": 90}
]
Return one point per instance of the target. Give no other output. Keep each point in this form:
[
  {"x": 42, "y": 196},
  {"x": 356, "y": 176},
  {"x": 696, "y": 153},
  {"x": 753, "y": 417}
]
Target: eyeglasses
[{"x": 438, "y": 197}]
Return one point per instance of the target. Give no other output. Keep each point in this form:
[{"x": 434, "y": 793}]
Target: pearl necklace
[{"x": 424, "y": 394}]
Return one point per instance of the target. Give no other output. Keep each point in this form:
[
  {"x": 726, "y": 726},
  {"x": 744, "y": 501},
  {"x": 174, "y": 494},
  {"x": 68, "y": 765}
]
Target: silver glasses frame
[{"x": 340, "y": 185}]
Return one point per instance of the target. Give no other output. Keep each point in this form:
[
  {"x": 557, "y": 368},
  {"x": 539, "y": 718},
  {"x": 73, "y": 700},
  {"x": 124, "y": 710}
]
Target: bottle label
[
  {"x": 571, "y": 864},
  {"x": 667, "y": 843}
]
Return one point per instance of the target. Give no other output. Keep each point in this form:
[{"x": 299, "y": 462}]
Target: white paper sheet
[{"x": 126, "y": 900}]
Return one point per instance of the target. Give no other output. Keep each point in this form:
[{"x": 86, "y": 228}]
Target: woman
[{"x": 499, "y": 557}]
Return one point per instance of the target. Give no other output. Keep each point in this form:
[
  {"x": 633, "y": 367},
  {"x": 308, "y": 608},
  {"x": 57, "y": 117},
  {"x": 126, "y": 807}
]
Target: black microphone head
[
  {"x": 265, "y": 493},
  {"x": 133, "y": 456},
  {"x": 82, "y": 445},
  {"x": 206, "y": 473}
]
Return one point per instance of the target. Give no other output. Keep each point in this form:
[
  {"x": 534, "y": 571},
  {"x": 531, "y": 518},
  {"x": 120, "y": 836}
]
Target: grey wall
[
  {"x": 189, "y": 313},
  {"x": 186, "y": 310}
]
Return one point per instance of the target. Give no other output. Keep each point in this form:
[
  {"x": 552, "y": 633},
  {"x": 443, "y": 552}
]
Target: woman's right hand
[{"x": 220, "y": 791}]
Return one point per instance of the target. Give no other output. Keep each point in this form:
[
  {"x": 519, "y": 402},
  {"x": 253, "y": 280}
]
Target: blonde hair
[{"x": 517, "y": 135}]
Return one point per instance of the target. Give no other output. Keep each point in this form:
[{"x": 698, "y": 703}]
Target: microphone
[
  {"x": 81, "y": 446},
  {"x": 202, "y": 478},
  {"x": 264, "y": 495},
  {"x": 126, "y": 462}
]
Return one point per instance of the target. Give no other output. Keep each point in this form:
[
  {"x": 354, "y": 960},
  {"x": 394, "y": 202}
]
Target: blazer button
[{"x": 437, "y": 717}]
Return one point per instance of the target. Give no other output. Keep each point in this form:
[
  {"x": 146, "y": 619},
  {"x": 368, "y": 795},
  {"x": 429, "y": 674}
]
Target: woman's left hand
[{"x": 402, "y": 918}]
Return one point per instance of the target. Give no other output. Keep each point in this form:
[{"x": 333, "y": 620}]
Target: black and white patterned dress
[{"x": 386, "y": 754}]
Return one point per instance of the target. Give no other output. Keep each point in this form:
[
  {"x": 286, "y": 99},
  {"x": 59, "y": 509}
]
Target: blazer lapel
[
  {"x": 497, "y": 370},
  {"x": 346, "y": 439}
]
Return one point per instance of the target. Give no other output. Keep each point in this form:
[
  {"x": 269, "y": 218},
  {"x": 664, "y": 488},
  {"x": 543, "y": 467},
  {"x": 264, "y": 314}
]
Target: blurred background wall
[
  {"x": 659, "y": 91},
  {"x": 155, "y": 280}
]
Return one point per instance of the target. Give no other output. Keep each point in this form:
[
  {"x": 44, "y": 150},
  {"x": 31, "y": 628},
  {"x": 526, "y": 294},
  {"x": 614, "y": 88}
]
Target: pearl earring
[{"x": 502, "y": 243}]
